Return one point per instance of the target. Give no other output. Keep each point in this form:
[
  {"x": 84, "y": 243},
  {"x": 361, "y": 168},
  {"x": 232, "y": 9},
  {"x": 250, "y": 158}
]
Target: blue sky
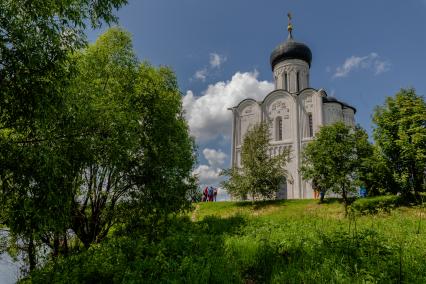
[{"x": 362, "y": 51}]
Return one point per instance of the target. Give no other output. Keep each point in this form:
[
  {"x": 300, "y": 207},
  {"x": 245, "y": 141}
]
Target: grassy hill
[{"x": 295, "y": 241}]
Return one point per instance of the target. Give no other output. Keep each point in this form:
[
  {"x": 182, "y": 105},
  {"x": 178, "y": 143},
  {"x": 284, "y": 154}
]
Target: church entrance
[{"x": 282, "y": 190}]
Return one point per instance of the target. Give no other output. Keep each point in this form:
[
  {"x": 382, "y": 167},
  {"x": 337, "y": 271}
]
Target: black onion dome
[{"x": 291, "y": 50}]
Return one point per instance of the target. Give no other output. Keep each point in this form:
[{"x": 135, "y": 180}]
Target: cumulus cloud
[
  {"x": 207, "y": 174},
  {"x": 210, "y": 174},
  {"x": 201, "y": 74},
  {"x": 216, "y": 60},
  {"x": 369, "y": 62},
  {"x": 214, "y": 157},
  {"x": 208, "y": 115}
]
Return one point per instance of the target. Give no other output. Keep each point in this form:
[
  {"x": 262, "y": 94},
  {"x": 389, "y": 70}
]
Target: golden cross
[{"x": 289, "y": 26}]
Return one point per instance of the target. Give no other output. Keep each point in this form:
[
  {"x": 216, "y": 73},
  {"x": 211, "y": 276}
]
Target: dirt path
[{"x": 194, "y": 213}]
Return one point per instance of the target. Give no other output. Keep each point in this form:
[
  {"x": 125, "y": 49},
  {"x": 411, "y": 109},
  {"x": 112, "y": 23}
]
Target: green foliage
[
  {"x": 334, "y": 158},
  {"x": 260, "y": 175},
  {"x": 262, "y": 243},
  {"x": 36, "y": 38},
  {"x": 400, "y": 135},
  {"x": 38, "y": 164},
  {"x": 119, "y": 153},
  {"x": 376, "y": 176},
  {"x": 371, "y": 205}
]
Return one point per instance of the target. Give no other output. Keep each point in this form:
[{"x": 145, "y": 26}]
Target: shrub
[{"x": 372, "y": 205}]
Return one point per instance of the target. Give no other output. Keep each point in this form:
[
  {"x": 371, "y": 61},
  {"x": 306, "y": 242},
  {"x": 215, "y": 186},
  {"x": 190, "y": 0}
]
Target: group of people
[{"x": 209, "y": 194}]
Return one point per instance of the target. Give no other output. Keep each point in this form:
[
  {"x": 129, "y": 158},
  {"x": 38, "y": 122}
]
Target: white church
[{"x": 295, "y": 112}]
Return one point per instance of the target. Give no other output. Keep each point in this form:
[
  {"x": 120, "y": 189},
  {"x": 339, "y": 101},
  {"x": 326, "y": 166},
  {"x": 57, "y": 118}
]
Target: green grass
[{"x": 295, "y": 241}]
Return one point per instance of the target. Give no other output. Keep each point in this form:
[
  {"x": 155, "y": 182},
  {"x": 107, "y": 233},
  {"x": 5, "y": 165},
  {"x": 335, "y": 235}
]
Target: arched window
[
  {"x": 297, "y": 82},
  {"x": 279, "y": 128},
  {"x": 285, "y": 81},
  {"x": 311, "y": 126}
]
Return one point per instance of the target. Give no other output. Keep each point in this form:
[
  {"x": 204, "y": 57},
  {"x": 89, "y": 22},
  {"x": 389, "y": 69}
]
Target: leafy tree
[
  {"x": 118, "y": 152},
  {"x": 38, "y": 162},
  {"x": 260, "y": 175},
  {"x": 36, "y": 38},
  {"x": 376, "y": 176},
  {"x": 139, "y": 153},
  {"x": 100, "y": 105},
  {"x": 333, "y": 159},
  {"x": 400, "y": 135}
]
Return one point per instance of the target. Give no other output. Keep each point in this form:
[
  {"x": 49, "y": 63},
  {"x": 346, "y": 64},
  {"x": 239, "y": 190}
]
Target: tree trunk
[
  {"x": 65, "y": 243},
  {"x": 55, "y": 244},
  {"x": 31, "y": 253},
  {"x": 345, "y": 200}
]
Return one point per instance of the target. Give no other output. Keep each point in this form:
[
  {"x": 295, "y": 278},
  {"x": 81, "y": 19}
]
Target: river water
[{"x": 9, "y": 269}]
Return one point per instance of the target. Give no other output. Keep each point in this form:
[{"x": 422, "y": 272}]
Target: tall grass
[{"x": 266, "y": 242}]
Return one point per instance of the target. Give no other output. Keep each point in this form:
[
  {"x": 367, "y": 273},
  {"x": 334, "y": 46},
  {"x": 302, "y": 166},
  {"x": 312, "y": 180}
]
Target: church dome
[{"x": 291, "y": 50}]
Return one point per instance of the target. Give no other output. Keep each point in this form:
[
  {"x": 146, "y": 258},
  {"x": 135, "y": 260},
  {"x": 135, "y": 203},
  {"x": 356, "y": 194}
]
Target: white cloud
[
  {"x": 208, "y": 115},
  {"x": 216, "y": 60},
  {"x": 210, "y": 174},
  {"x": 201, "y": 74},
  {"x": 222, "y": 194},
  {"x": 369, "y": 62},
  {"x": 207, "y": 174},
  {"x": 381, "y": 66},
  {"x": 214, "y": 157}
]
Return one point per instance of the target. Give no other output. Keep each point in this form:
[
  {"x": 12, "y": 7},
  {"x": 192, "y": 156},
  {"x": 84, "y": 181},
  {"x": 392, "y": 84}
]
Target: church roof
[
  {"x": 290, "y": 49},
  {"x": 334, "y": 100}
]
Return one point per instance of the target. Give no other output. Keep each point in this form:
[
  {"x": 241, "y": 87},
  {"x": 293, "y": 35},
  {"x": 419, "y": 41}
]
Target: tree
[
  {"x": 100, "y": 105},
  {"x": 36, "y": 38},
  {"x": 333, "y": 159},
  {"x": 376, "y": 176},
  {"x": 400, "y": 135},
  {"x": 119, "y": 152},
  {"x": 140, "y": 154},
  {"x": 260, "y": 175},
  {"x": 38, "y": 164}
]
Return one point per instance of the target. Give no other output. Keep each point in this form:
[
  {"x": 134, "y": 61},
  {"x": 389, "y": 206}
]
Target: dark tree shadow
[{"x": 257, "y": 205}]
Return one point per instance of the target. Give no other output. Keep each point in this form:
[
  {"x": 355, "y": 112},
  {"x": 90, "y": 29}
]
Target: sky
[{"x": 363, "y": 51}]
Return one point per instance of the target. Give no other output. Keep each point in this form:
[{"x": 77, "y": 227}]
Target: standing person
[
  {"x": 316, "y": 189},
  {"x": 215, "y": 194},
  {"x": 205, "y": 192},
  {"x": 210, "y": 193}
]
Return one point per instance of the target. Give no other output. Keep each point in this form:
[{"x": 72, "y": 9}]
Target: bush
[{"x": 372, "y": 205}]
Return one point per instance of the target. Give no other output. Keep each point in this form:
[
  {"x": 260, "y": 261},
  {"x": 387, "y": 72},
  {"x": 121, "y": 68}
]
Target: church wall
[
  {"x": 332, "y": 113},
  {"x": 246, "y": 115},
  {"x": 349, "y": 116},
  {"x": 310, "y": 120},
  {"x": 282, "y": 104},
  {"x": 249, "y": 114},
  {"x": 278, "y": 111},
  {"x": 307, "y": 114}
]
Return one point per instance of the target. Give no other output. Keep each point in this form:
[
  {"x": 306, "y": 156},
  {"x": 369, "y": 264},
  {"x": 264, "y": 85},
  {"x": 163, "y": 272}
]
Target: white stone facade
[{"x": 295, "y": 112}]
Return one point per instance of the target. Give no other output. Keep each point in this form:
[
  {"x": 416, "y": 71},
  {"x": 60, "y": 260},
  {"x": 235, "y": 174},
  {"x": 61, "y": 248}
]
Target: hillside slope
[{"x": 298, "y": 241}]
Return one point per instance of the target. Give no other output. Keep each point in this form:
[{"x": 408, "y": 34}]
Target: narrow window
[
  {"x": 285, "y": 81},
  {"x": 279, "y": 130},
  {"x": 311, "y": 127},
  {"x": 297, "y": 82}
]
